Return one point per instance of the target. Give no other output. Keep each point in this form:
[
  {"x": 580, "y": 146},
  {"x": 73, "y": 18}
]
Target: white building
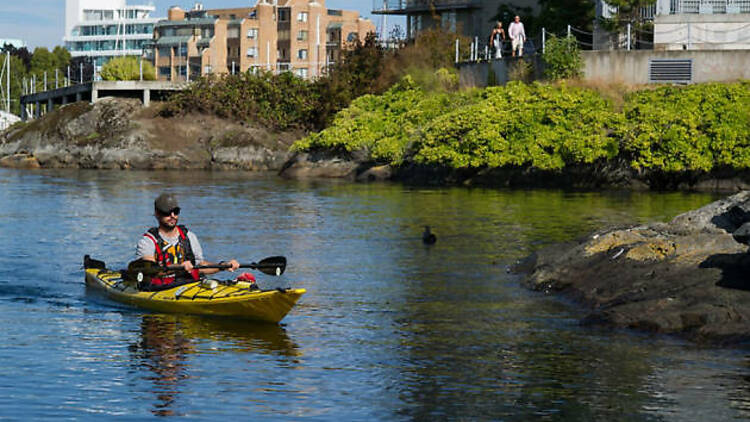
[
  {"x": 103, "y": 29},
  {"x": 702, "y": 25}
]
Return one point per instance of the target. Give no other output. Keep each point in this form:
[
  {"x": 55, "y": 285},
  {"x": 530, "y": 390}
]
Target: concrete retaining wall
[
  {"x": 626, "y": 67},
  {"x": 631, "y": 67}
]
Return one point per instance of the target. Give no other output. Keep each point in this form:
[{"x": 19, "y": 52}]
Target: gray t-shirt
[{"x": 146, "y": 246}]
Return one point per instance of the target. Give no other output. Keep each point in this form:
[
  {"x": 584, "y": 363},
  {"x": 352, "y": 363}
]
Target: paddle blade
[
  {"x": 274, "y": 265},
  {"x": 89, "y": 262}
]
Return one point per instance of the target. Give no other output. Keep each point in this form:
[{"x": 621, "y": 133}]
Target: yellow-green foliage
[
  {"x": 697, "y": 127},
  {"x": 383, "y": 125},
  {"x": 548, "y": 127},
  {"x": 545, "y": 126},
  {"x": 127, "y": 69}
]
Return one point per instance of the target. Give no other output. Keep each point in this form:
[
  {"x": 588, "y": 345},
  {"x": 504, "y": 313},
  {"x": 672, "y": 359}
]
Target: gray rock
[{"x": 687, "y": 277}]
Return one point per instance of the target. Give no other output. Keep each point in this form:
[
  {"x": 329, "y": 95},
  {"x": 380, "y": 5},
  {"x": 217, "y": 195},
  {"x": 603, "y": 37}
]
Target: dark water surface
[{"x": 389, "y": 329}]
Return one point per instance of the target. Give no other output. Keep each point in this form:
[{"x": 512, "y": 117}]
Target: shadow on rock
[{"x": 735, "y": 269}]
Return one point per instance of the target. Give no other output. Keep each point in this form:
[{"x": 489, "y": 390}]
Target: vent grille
[{"x": 670, "y": 70}]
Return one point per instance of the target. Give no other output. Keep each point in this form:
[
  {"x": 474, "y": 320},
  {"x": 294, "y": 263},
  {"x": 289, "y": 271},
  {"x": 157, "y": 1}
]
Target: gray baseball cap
[{"x": 165, "y": 203}]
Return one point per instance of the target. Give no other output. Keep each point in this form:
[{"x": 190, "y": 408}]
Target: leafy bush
[
  {"x": 127, "y": 69},
  {"x": 278, "y": 101},
  {"x": 384, "y": 126},
  {"x": 697, "y": 127},
  {"x": 562, "y": 58},
  {"x": 668, "y": 129},
  {"x": 539, "y": 125}
]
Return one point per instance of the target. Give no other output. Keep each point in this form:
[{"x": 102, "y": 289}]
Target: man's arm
[{"x": 199, "y": 259}]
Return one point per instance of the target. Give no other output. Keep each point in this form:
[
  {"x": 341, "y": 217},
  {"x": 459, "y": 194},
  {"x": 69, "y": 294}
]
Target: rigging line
[{"x": 572, "y": 28}]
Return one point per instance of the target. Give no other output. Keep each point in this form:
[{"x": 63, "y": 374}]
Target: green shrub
[
  {"x": 127, "y": 69},
  {"x": 539, "y": 125},
  {"x": 697, "y": 127},
  {"x": 385, "y": 125},
  {"x": 562, "y": 58},
  {"x": 277, "y": 101}
]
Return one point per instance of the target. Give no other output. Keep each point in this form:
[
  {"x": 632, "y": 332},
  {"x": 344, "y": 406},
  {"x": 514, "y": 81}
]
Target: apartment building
[
  {"x": 301, "y": 36},
  {"x": 103, "y": 29},
  {"x": 472, "y": 18}
]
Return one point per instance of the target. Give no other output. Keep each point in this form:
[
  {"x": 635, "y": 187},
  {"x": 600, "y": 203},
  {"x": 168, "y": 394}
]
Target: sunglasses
[{"x": 175, "y": 211}]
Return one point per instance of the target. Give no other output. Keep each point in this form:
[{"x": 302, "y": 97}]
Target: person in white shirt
[{"x": 517, "y": 36}]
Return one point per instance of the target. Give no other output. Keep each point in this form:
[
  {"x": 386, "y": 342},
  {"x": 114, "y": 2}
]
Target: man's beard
[{"x": 167, "y": 226}]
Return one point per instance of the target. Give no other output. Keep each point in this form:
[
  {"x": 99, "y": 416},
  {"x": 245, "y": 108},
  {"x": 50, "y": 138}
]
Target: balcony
[
  {"x": 403, "y": 7},
  {"x": 709, "y": 6}
]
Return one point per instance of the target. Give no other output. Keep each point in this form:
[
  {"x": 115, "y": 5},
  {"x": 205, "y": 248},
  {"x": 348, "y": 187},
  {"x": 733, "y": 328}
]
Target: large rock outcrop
[
  {"x": 689, "y": 277},
  {"x": 119, "y": 133}
]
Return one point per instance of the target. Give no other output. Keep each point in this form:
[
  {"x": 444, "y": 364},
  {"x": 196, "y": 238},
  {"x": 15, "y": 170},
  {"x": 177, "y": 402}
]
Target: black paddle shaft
[{"x": 274, "y": 265}]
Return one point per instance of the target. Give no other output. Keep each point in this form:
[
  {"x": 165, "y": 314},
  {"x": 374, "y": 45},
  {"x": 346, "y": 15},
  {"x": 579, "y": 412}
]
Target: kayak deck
[{"x": 199, "y": 298}]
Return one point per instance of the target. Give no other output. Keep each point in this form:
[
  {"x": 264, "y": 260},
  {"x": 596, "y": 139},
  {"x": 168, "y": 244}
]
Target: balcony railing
[
  {"x": 405, "y": 6},
  {"x": 709, "y": 6}
]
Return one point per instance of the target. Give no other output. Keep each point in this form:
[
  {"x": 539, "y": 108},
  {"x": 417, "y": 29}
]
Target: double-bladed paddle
[{"x": 274, "y": 265}]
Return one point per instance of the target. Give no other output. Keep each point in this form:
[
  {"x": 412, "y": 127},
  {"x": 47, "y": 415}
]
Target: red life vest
[{"x": 167, "y": 254}]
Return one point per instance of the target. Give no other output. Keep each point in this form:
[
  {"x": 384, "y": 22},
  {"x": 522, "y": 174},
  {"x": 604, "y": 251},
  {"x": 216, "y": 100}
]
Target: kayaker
[{"x": 173, "y": 244}]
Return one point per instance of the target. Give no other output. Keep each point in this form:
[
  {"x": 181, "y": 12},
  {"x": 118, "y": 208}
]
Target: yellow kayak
[{"x": 205, "y": 297}]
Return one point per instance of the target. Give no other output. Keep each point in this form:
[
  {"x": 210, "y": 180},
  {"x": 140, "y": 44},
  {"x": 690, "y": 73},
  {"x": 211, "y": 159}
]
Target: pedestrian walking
[
  {"x": 517, "y": 36},
  {"x": 496, "y": 39}
]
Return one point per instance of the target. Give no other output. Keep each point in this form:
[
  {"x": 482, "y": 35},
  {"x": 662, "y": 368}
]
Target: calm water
[{"x": 389, "y": 329}]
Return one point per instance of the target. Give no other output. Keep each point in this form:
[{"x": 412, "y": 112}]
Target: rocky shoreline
[
  {"x": 689, "y": 277},
  {"x": 119, "y": 134}
]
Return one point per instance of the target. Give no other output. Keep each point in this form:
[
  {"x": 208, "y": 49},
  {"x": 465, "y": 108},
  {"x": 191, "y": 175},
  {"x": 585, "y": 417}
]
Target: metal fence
[
  {"x": 709, "y": 6},
  {"x": 630, "y": 39}
]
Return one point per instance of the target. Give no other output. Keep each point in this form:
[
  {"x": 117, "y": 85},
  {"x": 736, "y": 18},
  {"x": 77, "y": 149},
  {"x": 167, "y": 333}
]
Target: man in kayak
[{"x": 173, "y": 244}]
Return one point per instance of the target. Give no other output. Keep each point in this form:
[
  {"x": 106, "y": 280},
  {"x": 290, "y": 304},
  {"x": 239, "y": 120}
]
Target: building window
[
  {"x": 334, "y": 12},
  {"x": 302, "y": 54},
  {"x": 448, "y": 21},
  {"x": 284, "y": 14},
  {"x": 283, "y": 34},
  {"x": 252, "y": 33},
  {"x": 252, "y": 52},
  {"x": 302, "y": 72},
  {"x": 165, "y": 71},
  {"x": 302, "y": 35},
  {"x": 302, "y": 17},
  {"x": 165, "y": 51}
]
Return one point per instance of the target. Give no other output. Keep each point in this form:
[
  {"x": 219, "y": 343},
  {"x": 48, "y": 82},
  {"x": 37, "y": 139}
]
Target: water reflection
[{"x": 166, "y": 343}]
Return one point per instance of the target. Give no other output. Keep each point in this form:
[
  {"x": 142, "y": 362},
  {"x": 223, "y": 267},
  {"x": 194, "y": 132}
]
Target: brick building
[{"x": 301, "y": 36}]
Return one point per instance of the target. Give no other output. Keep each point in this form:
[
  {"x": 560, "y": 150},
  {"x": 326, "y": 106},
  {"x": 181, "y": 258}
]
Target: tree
[
  {"x": 626, "y": 12},
  {"x": 43, "y": 61},
  {"x": 81, "y": 63},
  {"x": 62, "y": 57},
  {"x": 22, "y": 53},
  {"x": 556, "y": 15},
  {"x": 127, "y": 69}
]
